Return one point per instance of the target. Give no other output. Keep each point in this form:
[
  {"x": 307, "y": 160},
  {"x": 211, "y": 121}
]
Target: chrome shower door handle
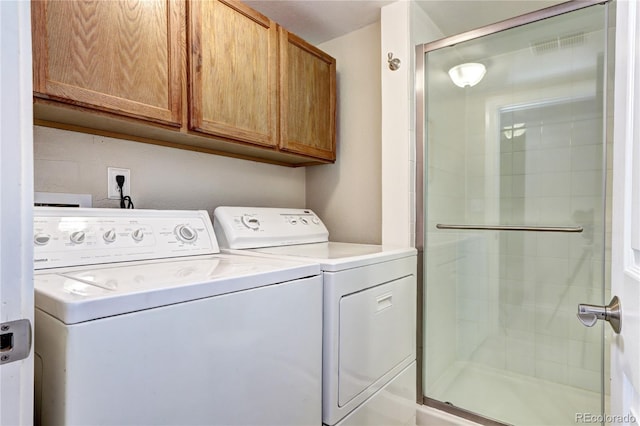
[{"x": 590, "y": 314}]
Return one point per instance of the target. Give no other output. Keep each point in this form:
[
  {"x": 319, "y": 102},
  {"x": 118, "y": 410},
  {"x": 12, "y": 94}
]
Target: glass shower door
[{"x": 519, "y": 157}]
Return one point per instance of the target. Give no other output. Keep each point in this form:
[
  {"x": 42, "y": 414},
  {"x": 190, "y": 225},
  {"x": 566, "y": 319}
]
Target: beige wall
[
  {"x": 161, "y": 178},
  {"x": 347, "y": 194}
]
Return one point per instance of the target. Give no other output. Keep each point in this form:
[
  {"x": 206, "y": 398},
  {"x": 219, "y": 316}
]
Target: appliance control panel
[
  {"x": 255, "y": 227},
  {"x": 64, "y": 237}
]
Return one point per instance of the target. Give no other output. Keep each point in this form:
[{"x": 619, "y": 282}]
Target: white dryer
[
  {"x": 369, "y": 335},
  {"x": 140, "y": 321}
]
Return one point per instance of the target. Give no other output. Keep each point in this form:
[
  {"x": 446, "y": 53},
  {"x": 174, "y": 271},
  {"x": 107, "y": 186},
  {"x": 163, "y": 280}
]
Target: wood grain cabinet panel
[
  {"x": 307, "y": 98},
  {"x": 232, "y": 72},
  {"x": 121, "y": 57},
  {"x": 209, "y": 75}
]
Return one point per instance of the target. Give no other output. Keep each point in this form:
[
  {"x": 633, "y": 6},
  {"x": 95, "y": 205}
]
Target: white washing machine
[
  {"x": 369, "y": 351},
  {"x": 140, "y": 321}
]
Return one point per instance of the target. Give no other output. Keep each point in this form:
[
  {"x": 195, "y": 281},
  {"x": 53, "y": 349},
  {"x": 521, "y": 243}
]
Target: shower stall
[{"x": 512, "y": 216}]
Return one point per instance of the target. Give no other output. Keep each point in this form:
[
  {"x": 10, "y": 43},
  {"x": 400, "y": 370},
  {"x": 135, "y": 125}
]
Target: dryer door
[{"x": 377, "y": 335}]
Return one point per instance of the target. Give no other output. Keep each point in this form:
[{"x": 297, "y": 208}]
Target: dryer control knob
[
  {"x": 109, "y": 236},
  {"x": 137, "y": 235},
  {"x": 41, "y": 239},
  {"x": 250, "y": 222},
  {"x": 77, "y": 237},
  {"x": 186, "y": 234}
]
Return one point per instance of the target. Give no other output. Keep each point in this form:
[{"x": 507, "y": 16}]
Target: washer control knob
[
  {"x": 137, "y": 235},
  {"x": 77, "y": 237},
  {"x": 315, "y": 220},
  {"x": 250, "y": 222},
  {"x": 304, "y": 221},
  {"x": 186, "y": 234},
  {"x": 293, "y": 221},
  {"x": 41, "y": 239},
  {"x": 109, "y": 236}
]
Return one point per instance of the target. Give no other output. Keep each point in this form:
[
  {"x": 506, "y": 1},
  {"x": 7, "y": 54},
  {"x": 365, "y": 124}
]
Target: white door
[
  {"x": 16, "y": 223},
  {"x": 625, "y": 261}
]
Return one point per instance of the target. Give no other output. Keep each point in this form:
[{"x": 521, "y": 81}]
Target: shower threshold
[{"x": 510, "y": 397}]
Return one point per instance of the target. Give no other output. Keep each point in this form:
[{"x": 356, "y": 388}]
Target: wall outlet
[{"x": 113, "y": 191}]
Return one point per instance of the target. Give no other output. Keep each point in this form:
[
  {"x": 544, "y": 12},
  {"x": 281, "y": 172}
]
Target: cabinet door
[
  {"x": 307, "y": 98},
  {"x": 233, "y": 66},
  {"x": 122, "y": 57}
]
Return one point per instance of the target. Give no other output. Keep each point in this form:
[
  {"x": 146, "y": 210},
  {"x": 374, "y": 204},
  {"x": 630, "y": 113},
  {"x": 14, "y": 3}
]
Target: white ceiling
[
  {"x": 457, "y": 16},
  {"x": 320, "y": 20}
]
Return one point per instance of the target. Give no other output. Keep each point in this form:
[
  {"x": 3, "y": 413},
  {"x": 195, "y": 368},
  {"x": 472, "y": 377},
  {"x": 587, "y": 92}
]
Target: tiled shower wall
[
  {"x": 445, "y": 203},
  {"x": 550, "y": 174},
  {"x": 508, "y": 299}
]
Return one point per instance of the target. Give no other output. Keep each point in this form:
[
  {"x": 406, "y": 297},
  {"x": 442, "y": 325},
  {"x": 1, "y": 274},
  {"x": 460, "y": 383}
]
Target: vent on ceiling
[{"x": 557, "y": 43}]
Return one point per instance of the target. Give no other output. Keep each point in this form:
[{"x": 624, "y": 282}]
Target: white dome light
[{"x": 468, "y": 74}]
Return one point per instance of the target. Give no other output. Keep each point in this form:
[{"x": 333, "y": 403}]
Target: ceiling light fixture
[{"x": 468, "y": 74}]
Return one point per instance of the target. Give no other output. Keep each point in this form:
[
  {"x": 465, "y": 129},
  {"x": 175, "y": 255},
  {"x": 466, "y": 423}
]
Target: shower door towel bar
[{"x": 512, "y": 228}]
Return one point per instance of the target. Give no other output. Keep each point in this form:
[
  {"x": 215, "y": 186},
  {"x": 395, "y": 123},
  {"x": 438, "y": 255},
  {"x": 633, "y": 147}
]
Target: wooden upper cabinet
[
  {"x": 121, "y": 57},
  {"x": 232, "y": 72},
  {"x": 211, "y": 75},
  {"x": 307, "y": 98}
]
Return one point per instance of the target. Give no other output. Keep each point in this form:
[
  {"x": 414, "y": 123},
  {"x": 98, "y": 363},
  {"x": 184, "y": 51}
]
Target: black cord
[{"x": 125, "y": 201}]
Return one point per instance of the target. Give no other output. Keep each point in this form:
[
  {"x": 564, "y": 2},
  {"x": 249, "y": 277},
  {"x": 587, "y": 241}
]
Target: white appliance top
[
  {"x": 297, "y": 233},
  {"x": 325, "y": 251},
  {"x": 334, "y": 256},
  {"x": 95, "y": 263},
  {"x": 77, "y": 236},
  {"x": 76, "y": 295}
]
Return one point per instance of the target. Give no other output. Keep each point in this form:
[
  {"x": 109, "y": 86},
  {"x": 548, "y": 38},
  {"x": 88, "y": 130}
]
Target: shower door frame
[{"x": 420, "y": 51}]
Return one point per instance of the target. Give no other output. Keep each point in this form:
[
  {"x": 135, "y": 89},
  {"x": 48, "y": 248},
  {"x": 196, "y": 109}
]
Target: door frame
[
  {"x": 625, "y": 244},
  {"x": 16, "y": 202}
]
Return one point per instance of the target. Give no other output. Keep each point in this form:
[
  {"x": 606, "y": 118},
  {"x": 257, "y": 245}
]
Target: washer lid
[
  {"x": 83, "y": 294},
  {"x": 335, "y": 256}
]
